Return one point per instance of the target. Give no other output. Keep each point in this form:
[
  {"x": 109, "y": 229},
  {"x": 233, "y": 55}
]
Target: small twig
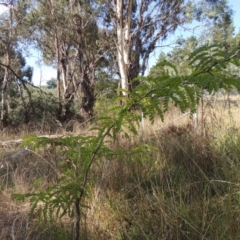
[{"x": 12, "y": 229}]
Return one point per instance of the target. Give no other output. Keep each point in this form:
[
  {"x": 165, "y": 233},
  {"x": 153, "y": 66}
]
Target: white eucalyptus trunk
[
  {"x": 123, "y": 25},
  {"x": 4, "y": 95}
]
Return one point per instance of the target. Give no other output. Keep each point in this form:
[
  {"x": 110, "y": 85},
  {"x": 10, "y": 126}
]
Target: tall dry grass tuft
[
  {"x": 22, "y": 171},
  {"x": 185, "y": 186}
]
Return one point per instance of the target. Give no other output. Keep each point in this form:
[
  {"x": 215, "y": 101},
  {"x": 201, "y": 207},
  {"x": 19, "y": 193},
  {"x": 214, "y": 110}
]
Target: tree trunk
[
  {"x": 86, "y": 71},
  {"x": 123, "y": 40},
  {"x": 58, "y": 76},
  {"x": 4, "y": 110},
  {"x": 68, "y": 92},
  {"x": 4, "y": 95},
  {"x": 88, "y": 99},
  {"x": 76, "y": 224}
]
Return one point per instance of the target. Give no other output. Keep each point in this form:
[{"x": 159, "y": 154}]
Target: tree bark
[
  {"x": 86, "y": 56},
  {"x": 123, "y": 29},
  {"x": 4, "y": 95},
  {"x": 138, "y": 25},
  {"x": 4, "y": 110},
  {"x": 58, "y": 75},
  {"x": 88, "y": 99},
  {"x": 76, "y": 224}
]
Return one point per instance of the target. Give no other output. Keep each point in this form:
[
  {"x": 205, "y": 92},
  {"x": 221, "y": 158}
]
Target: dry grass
[
  {"x": 183, "y": 190},
  {"x": 26, "y": 171},
  {"x": 185, "y": 186}
]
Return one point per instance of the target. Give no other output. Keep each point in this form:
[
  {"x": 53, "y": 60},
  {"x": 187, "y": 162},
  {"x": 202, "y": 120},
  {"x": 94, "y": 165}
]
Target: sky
[
  {"x": 43, "y": 73},
  {"x": 234, "y": 4}
]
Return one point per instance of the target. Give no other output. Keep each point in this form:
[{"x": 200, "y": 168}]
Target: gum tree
[
  {"x": 14, "y": 74},
  {"x": 136, "y": 26},
  {"x": 66, "y": 33}
]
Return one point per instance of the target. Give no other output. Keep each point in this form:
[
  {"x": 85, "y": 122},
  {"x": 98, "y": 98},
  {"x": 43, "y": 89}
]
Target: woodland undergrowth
[{"x": 175, "y": 183}]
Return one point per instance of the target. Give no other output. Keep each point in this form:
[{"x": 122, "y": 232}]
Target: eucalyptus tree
[
  {"x": 138, "y": 25},
  {"x": 14, "y": 74},
  {"x": 66, "y": 32},
  {"x": 90, "y": 52},
  {"x": 19, "y": 76},
  {"x": 7, "y": 43}
]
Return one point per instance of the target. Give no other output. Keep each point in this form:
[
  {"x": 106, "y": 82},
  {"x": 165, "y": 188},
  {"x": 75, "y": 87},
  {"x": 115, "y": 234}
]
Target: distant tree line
[{"x": 91, "y": 44}]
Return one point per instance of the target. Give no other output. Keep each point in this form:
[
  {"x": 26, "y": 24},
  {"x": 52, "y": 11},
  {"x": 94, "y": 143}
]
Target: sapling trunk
[{"x": 77, "y": 215}]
